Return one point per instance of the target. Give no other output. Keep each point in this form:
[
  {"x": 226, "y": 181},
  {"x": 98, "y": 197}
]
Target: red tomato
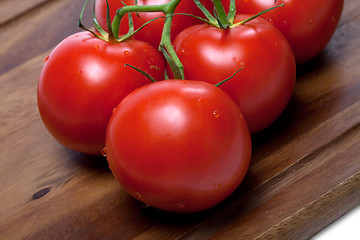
[
  {"x": 83, "y": 79},
  {"x": 263, "y": 88},
  {"x": 152, "y": 32},
  {"x": 307, "y": 25},
  {"x": 179, "y": 146}
]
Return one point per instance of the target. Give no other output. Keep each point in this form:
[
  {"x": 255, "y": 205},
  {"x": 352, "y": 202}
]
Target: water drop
[
  {"x": 126, "y": 52},
  {"x": 97, "y": 47},
  {"x": 47, "y": 58},
  {"x": 270, "y": 20},
  {"x": 104, "y": 152},
  {"x": 114, "y": 110},
  {"x": 285, "y": 22},
  {"x": 79, "y": 72},
  {"x": 333, "y": 19},
  {"x": 143, "y": 205},
  {"x": 137, "y": 195},
  {"x": 217, "y": 185},
  {"x": 216, "y": 114},
  {"x": 183, "y": 82},
  {"x": 311, "y": 20},
  {"x": 181, "y": 204}
]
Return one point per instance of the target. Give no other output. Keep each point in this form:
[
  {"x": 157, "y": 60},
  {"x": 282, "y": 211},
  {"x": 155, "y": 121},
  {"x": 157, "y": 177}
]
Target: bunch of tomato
[{"x": 180, "y": 145}]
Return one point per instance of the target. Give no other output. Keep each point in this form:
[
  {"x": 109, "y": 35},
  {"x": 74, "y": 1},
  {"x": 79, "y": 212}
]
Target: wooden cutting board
[{"x": 305, "y": 170}]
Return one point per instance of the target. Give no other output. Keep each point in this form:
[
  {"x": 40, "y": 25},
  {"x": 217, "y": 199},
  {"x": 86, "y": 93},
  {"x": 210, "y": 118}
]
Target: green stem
[
  {"x": 257, "y": 15},
  {"x": 168, "y": 9},
  {"x": 166, "y": 41},
  {"x": 221, "y": 14}
]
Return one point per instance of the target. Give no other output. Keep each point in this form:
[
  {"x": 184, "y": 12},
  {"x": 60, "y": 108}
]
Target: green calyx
[
  {"x": 222, "y": 20},
  {"x": 219, "y": 19},
  {"x": 112, "y": 35},
  {"x": 165, "y": 44}
]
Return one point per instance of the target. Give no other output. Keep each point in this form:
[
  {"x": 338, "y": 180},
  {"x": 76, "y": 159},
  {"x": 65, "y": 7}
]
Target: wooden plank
[
  {"x": 10, "y": 9},
  {"x": 37, "y": 29}
]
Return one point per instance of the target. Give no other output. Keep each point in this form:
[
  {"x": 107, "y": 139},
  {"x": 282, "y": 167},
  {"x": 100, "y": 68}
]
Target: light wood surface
[{"x": 305, "y": 170}]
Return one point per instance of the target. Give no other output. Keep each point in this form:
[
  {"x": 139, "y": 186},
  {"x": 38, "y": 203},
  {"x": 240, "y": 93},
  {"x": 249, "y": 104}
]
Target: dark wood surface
[{"x": 305, "y": 170}]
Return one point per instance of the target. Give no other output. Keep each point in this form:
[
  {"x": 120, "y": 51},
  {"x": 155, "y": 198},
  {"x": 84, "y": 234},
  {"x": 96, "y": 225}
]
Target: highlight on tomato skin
[
  {"x": 81, "y": 82},
  {"x": 264, "y": 85},
  {"x": 178, "y": 145},
  {"x": 307, "y": 25}
]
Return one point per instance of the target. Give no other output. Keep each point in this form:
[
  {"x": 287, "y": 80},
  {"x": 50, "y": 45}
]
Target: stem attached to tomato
[
  {"x": 221, "y": 15},
  {"x": 257, "y": 15},
  {"x": 165, "y": 44}
]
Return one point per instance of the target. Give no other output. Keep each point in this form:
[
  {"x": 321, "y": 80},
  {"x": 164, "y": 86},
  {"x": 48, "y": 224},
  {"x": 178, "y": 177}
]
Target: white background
[{"x": 345, "y": 228}]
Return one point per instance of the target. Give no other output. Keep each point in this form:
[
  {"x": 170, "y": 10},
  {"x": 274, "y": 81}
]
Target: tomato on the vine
[
  {"x": 83, "y": 79},
  {"x": 178, "y": 145},
  {"x": 307, "y": 25},
  {"x": 264, "y": 86},
  {"x": 152, "y": 32}
]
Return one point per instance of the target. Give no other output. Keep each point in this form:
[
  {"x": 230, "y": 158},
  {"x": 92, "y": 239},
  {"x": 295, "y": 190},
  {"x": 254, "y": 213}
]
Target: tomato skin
[
  {"x": 152, "y": 32},
  {"x": 83, "y": 79},
  {"x": 308, "y": 26},
  {"x": 179, "y": 146},
  {"x": 262, "y": 89}
]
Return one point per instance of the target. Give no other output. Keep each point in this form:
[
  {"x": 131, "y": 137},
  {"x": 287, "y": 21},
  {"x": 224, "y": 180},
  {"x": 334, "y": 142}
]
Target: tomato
[
  {"x": 263, "y": 87},
  {"x": 307, "y": 25},
  {"x": 152, "y": 32},
  {"x": 83, "y": 79},
  {"x": 178, "y": 145}
]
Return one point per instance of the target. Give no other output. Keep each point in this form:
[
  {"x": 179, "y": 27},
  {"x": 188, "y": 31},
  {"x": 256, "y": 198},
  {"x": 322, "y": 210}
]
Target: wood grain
[{"x": 305, "y": 170}]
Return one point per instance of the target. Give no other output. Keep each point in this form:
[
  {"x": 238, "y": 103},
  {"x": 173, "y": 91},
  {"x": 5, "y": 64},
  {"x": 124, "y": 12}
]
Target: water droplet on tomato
[
  {"x": 137, "y": 195},
  {"x": 126, "y": 52},
  {"x": 270, "y": 20},
  {"x": 216, "y": 114},
  {"x": 285, "y": 22},
  {"x": 114, "y": 110},
  {"x": 311, "y": 20},
  {"x": 183, "y": 82},
  {"x": 333, "y": 19},
  {"x": 79, "y": 72},
  {"x": 181, "y": 204},
  {"x": 97, "y": 47},
  {"x": 47, "y": 58},
  {"x": 143, "y": 205},
  {"x": 104, "y": 152},
  {"x": 217, "y": 185}
]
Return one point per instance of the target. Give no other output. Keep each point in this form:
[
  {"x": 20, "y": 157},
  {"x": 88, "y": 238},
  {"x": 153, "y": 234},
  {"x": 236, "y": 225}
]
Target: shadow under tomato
[{"x": 87, "y": 162}]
